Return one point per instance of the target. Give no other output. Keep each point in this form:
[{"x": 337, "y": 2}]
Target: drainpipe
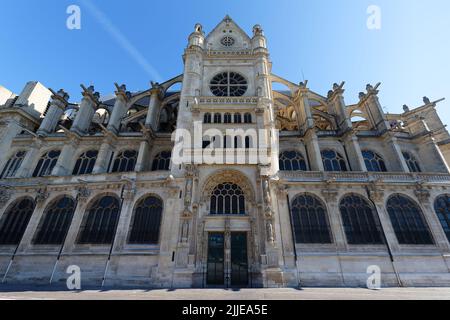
[
  {"x": 399, "y": 281},
  {"x": 293, "y": 241},
  {"x": 114, "y": 237}
]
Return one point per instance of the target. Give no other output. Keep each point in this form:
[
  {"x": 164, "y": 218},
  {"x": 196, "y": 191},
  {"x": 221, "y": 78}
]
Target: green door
[
  {"x": 239, "y": 260},
  {"x": 215, "y": 269}
]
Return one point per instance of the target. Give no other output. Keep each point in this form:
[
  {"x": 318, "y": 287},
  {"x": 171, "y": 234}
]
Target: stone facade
[{"x": 297, "y": 121}]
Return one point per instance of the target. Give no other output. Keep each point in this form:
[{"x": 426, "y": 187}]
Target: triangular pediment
[{"x": 227, "y": 35}]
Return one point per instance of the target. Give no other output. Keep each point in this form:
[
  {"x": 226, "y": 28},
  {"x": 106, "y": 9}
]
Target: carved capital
[
  {"x": 5, "y": 195},
  {"x": 41, "y": 195}
]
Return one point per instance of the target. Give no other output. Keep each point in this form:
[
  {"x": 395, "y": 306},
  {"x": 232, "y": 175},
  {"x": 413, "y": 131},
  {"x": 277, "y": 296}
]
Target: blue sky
[{"x": 136, "y": 41}]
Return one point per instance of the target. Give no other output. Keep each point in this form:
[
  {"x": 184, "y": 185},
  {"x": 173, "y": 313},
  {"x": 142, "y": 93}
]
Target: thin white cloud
[{"x": 122, "y": 40}]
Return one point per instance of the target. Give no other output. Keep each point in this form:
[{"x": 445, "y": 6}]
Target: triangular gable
[{"x": 227, "y": 28}]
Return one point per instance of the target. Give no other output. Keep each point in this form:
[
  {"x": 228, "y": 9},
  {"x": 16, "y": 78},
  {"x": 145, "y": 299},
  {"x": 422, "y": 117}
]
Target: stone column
[
  {"x": 104, "y": 155},
  {"x": 398, "y": 163},
  {"x": 27, "y": 167},
  {"x": 314, "y": 154},
  {"x": 303, "y": 109},
  {"x": 354, "y": 153},
  {"x": 153, "y": 108},
  {"x": 54, "y": 113},
  {"x": 330, "y": 193},
  {"x": 66, "y": 160},
  {"x": 120, "y": 108},
  {"x": 142, "y": 163},
  {"x": 288, "y": 238},
  {"x": 337, "y": 107},
  {"x": 126, "y": 214},
  {"x": 86, "y": 111}
]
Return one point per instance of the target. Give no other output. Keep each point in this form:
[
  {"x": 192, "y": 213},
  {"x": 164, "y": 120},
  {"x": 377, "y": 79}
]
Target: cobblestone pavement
[{"x": 15, "y": 293}]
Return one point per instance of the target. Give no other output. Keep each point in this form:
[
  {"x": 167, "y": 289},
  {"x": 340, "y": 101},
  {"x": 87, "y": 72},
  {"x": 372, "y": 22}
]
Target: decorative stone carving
[
  {"x": 122, "y": 92},
  {"x": 330, "y": 192},
  {"x": 422, "y": 194},
  {"x": 376, "y": 194},
  {"x": 426, "y": 100},
  {"x": 258, "y": 31},
  {"x": 41, "y": 195},
  {"x": 129, "y": 190},
  {"x": 83, "y": 193},
  {"x": 230, "y": 176},
  {"x": 5, "y": 195}
]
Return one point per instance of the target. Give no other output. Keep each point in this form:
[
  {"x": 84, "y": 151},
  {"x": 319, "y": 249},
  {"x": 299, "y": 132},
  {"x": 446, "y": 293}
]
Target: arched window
[
  {"x": 247, "y": 118},
  {"x": 147, "y": 221},
  {"x": 46, "y": 164},
  {"x": 227, "y": 198},
  {"x": 14, "y": 222},
  {"x": 333, "y": 161},
  {"x": 408, "y": 221},
  {"x": 217, "y": 118},
  {"x": 162, "y": 161},
  {"x": 101, "y": 222},
  {"x": 374, "y": 163},
  {"x": 248, "y": 142},
  {"x": 360, "y": 220},
  {"x": 292, "y": 161},
  {"x": 227, "y": 118},
  {"x": 85, "y": 163},
  {"x": 411, "y": 161},
  {"x": 207, "y": 118},
  {"x": 125, "y": 161},
  {"x": 55, "y": 222},
  {"x": 237, "y": 118},
  {"x": 310, "y": 220},
  {"x": 442, "y": 209},
  {"x": 228, "y": 84},
  {"x": 13, "y": 165}
]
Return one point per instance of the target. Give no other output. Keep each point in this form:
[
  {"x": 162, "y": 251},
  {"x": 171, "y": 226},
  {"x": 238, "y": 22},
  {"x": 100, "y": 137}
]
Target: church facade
[{"x": 225, "y": 182}]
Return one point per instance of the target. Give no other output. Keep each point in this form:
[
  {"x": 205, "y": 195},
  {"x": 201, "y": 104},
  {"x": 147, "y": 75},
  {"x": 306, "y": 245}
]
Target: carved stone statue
[
  {"x": 405, "y": 108},
  {"x": 257, "y": 30},
  {"x": 426, "y": 100}
]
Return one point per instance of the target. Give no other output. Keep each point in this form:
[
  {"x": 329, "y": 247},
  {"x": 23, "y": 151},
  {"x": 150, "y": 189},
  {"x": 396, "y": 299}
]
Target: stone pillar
[
  {"x": 330, "y": 193},
  {"x": 104, "y": 155},
  {"x": 397, "y": 162},
  {"x": 288, "y": 238},
  {"x": 86, "y": 111},
  {"x": 376, "y": 194},
  {"x": 27, "y": 167},
  {"x": 370, "y": 102},
  {"x": 154, "y": 106},
  {"x": 54, "y": 113},
  {"x": 337, "y": 107},
  {"x": 354, "y": 153},
  {"x": 66, "y": 160},
  {"x": 126, "y": 214},
  {"x": 143, "y": 161},
  {"x": 120, "y": 108},
  {"x": 304, "y": 115},
  {"x": 314, "y": 154}
]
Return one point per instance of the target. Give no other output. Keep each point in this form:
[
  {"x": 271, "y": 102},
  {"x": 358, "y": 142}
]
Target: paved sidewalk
[{"x": 15, "y": 293}]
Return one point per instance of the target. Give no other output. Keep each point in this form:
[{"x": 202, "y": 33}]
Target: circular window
[
  {"x": 227, "y": 41},
  {"x": 228, "y": 84}
]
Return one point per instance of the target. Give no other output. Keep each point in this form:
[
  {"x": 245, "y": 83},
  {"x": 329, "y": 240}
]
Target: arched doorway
[{"x": 228, "y": 230}]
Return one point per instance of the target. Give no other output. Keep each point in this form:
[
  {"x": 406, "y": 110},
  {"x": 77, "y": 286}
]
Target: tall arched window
[
  {"x": 125, "y": 161},
  {"x": 442, "y": 209},
  {"x": 309, "y": 217},
  {"x": 333, "y": 161},
  {"x": 101, "y": 222},
  {"x": 55, "y": 222},
  {"x": 46, "y": 164},
  {"x": 207, "y": 118},
  {"x": 85, "y": 163},
  {"x": 227, "y": 198},
  {"x": 360, "y": 220},
  {"x": 411, "y": 161},
  {"x": 147, "y": 221},
  {"x": 14, "y": 222},
  {"x": 162, "y": 161},
  {"x": 237, "y": 118},
  {"x": 248, "y": 142},
  {"x": 408, "y": 221},
  {"x": 247, "y": 118},
  {"x": 217, "y": 118},
  {"x": 292, "y": 161},
  {"x": 13, "y": 165},
  {"x": 374, "y": 163},
  {"x": 227, "y": 118}
]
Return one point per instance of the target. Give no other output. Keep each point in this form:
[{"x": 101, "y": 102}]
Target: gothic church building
[{"x": 344, "y": 188}]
